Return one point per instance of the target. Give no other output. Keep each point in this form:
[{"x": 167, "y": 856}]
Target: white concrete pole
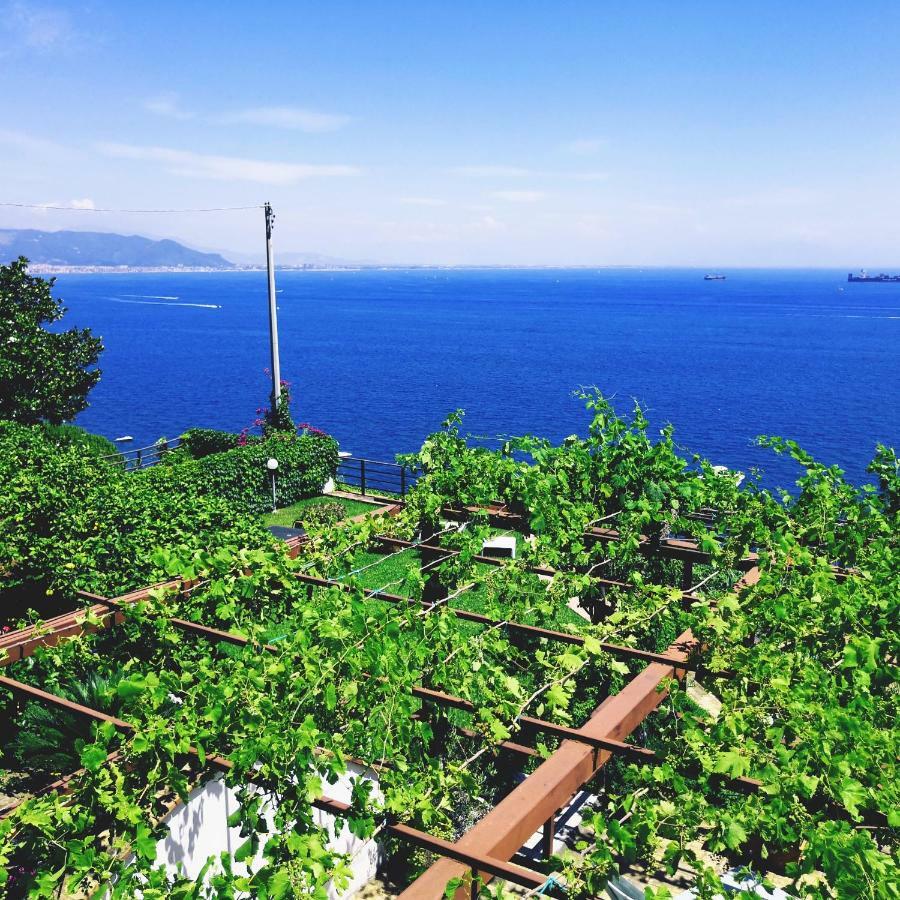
[{"x": 273, "y": 310}]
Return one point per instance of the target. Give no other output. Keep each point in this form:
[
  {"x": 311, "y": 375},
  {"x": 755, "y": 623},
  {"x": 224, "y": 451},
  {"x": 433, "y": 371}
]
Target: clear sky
[{"x": 514, "y": 132}]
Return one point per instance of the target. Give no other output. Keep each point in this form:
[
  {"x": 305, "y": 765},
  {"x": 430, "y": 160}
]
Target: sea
[{"x": 379, "y": 358}]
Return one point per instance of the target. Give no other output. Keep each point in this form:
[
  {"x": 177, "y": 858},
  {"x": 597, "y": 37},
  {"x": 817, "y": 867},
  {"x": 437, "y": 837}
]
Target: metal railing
[
  {"x": 372, "y": 476},
  {"x": 142, "y": 457},
  {"x": 369, "y": 476}
]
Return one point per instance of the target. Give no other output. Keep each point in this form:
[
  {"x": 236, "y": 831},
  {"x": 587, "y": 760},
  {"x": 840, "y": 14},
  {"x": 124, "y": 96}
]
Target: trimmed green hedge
[
  {"x": 200, "y": 442},
  {"x": 69, "y": 520},
  {"x": 72, "y": 435},
  {"x": 240, "y": 476}
]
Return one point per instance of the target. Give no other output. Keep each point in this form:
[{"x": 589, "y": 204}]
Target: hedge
[
  {"x": 70, "y": 521},
  {"x": 72, "y": 435},
  {"x": 240, "y": 475},
  {"x": 200, "y": 442}
]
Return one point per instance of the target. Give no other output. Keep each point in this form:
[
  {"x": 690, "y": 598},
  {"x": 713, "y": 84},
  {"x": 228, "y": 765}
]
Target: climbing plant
[{"x": 800, "y": 659}]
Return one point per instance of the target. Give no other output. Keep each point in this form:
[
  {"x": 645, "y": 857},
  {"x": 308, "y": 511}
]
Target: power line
[{"x": 107, "y": 210}]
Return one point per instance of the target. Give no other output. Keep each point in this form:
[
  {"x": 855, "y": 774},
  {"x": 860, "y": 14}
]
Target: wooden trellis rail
[{"x": 485, "y": 850}]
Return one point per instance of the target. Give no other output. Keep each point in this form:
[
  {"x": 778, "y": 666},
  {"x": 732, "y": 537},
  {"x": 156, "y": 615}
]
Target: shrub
[
  {"x": 321, "y": 515},
  {"x": 200, "y": 442},
  {"x": 66, "y": 435},
  {"x": 46, "y": 740},
  {"x": 70, "y": 521},
  {"x": 240, "y": 476},
  {"x": 276, "y": 417}
]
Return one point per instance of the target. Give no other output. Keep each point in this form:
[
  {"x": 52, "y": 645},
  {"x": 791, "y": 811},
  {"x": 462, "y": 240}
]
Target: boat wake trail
[{"x": 153, "y": 303}]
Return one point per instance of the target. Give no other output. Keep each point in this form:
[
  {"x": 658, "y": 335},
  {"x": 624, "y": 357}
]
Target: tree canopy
[{"x": 45, "y": 376}]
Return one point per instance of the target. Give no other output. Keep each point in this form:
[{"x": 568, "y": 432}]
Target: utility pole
[{"x": 273, "y": 310}]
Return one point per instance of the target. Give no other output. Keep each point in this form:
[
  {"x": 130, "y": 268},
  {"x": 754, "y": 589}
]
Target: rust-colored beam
[
  {"x": 495, "y": 867},
  {"x": 506, "y": 828},
  {"x": 499, "y": 562},
  {"x": 524, "y": 810},
  {"x": 670, "y": 548},
  {"x": 59, "y": 785},
  {"x": 512, "y": 626},
  {"x": 22, "y": 643},
  {"x": 429, "y": 695},
  {"x": 496, "y": 561}
]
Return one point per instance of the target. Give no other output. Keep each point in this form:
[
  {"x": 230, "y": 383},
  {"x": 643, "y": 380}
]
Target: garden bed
[{"x": 288, "y": 515}]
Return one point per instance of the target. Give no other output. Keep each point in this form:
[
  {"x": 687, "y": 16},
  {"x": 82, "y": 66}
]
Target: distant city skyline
[{"x": 696, "y": 134}]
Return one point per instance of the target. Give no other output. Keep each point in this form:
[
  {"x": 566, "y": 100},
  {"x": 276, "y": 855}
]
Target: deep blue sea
[{"x": 379, "y": 358}]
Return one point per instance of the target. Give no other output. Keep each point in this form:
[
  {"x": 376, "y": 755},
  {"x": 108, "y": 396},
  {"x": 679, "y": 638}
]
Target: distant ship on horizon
[
  {"x": 713, "y": 276},
  {"x": 880, "y": 278}
]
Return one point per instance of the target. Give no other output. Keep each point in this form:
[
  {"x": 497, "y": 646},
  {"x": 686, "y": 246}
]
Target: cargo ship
[
  {"x": 712, "y": 276},
  {"x": 879, "y": 279}
]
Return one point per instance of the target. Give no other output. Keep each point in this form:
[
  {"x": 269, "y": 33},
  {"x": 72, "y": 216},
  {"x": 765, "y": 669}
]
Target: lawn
[
  {"x": 387, "y": 571},
  {"x": 290, "y": 514}
]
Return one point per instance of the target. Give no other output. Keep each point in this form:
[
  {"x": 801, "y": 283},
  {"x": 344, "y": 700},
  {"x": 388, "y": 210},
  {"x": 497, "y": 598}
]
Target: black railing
[
  {"x": 141, "y": 457},
  {"x": 373, "y": 477}
]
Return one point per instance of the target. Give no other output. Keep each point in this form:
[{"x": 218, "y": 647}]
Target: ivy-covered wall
[{"x": 239, "y": 475}]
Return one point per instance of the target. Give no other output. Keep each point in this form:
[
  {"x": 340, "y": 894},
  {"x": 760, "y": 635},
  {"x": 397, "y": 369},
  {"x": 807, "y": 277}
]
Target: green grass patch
[
  {"x": 290, "y": 514},
  {"x": 387, "y": 569}
]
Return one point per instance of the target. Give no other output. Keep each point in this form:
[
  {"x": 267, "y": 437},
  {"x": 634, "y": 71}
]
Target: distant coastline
[
  {"x": 61, "y": 269},
  {"x": 54, "y": 269}
]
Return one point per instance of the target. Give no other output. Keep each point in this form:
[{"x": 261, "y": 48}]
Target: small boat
[
  {"x": 124, "y": 439},
  {"x": 712, "y": 276}
]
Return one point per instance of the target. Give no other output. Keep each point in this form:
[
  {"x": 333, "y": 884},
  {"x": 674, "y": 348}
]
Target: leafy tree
[{"x": 45, "y": 376}]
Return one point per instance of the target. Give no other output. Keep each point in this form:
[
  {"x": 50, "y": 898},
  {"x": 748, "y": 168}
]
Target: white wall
[{"x": 199, "y": 829}]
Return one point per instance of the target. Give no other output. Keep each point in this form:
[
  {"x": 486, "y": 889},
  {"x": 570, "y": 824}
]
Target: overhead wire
[{"x": 97, "y": 209}]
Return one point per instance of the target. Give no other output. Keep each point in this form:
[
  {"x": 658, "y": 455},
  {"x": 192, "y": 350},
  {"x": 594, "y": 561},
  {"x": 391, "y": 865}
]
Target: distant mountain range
[{"x": 97, "y": 248}]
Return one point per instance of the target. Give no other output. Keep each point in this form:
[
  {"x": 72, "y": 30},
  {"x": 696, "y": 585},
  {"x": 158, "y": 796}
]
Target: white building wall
[{"x": 199, "y": 829}]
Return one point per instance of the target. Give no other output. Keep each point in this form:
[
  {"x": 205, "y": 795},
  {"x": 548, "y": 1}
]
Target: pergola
[{"x": 488, "y": 849}]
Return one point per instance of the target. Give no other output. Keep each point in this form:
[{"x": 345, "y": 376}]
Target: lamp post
[{"x": 272, "y": 465}]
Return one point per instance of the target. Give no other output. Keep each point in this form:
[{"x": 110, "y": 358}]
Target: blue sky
[{"x": 596, "y": 133}]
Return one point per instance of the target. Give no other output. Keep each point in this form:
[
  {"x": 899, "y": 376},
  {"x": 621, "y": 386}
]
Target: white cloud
[
  {"x": 422, "y": 201},
  {"x": 521, "y": 172},
  {"x": 777, "y": 198},
  {"x": 286, "y": 117},
  {"x": 585, "y": 146},
  {"x": 167, "y": 105},
  {"x": 291, "y": 117},
  {"x": 40, "y": 28},
  {"x": 519, "y": 196},
  {"x": 491, "y": 171},
  {"x": 42, "y": 209},
  {"x": 22, "y": 141},
  {"x": 225, "y": 168},
  {"x": 488, "y": 223}
]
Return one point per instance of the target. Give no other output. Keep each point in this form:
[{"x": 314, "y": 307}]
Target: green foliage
[
  {"x": 48, "y": 741},
  {"x": 289, "y": 514},
  {"x": 64, "y": 435},
  {"x": 69, "y": 520},
  {"x": 240, "y": 476},
  {"x": 44, "y": 375},
  {"x": 319, "y": 514},
  {"x": 277, "y": 417},
  {"x": 200, "y": 442},
  {"x": 802, "y": 657}
]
